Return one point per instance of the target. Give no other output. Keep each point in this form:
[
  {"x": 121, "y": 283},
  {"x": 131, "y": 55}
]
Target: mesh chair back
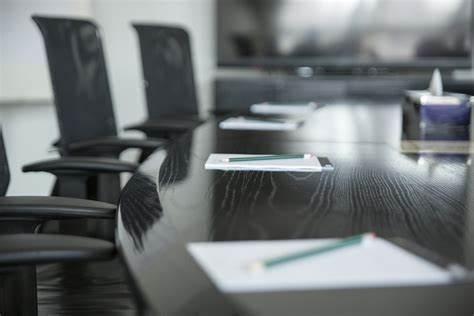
[
  {"x": 79, "y": 78},
  {"x": 167, "y": 70},
  {"x": 4, "y": 170}
]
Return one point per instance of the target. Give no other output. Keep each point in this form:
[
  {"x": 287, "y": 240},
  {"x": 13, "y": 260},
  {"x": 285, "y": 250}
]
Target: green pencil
[
  {"x": 263, "y": 119},
  {"x": 268, "y": 157},
  {"x": 261, "y": 265}
]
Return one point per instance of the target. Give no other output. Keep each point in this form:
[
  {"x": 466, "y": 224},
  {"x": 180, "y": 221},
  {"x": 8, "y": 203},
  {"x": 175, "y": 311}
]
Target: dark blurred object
[
  {"x": 455, "y": 115},
  {"x": 438, "y": 107},
  {"x": 92, "y": 288},
  {"x": 237, "y": 93},
  {"x": 383, "y": 33},
  {"x": 423, "y": 120}
]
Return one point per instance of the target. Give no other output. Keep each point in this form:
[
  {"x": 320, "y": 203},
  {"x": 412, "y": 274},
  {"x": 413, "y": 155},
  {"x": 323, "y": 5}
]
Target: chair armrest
[
  {"x": 49, "y": 208},
  {"x": 81, "y": 166},
  {"x": 26, "y": 249},
  {"x": 165, "y": 125},
  {"x": 113, "y": 145}
]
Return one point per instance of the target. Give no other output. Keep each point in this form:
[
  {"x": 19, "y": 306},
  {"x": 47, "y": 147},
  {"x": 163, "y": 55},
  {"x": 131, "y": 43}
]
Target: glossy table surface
[{"x": 173, "y": 200}]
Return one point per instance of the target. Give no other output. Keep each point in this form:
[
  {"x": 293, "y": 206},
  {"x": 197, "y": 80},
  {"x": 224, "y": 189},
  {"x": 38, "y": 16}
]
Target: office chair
[
  {"x": 45, "y": 208},
  {"x": 19, "y": 253},
  {"x": 84, "y": 109},
  {"x": 21, "y": 249},
  {"x": 169, "y": 81}
]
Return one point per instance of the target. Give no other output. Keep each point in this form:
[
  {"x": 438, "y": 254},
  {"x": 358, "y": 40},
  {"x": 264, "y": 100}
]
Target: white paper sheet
[
  {"x": 377, "y": 263},
  {"x": 217, "y": 162},
  {"x": 243, "y": 123},
  {"x": 283, "y": 109}
]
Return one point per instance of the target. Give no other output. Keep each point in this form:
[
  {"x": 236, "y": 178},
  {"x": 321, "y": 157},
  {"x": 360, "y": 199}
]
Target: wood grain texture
[
  {"x": 373, "y": 188},
  {"x": 425, "y": 199}
]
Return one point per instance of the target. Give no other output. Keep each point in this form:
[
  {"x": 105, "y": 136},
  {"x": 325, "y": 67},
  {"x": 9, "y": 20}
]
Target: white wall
[
  {"x": 24, "y": 75},
  {"x": 29, "y": 129}
]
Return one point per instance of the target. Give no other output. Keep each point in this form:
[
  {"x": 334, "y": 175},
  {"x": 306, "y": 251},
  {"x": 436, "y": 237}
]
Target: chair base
[
  {"x": 105, "y": 188},
  {"x": 18, "y": 295}
]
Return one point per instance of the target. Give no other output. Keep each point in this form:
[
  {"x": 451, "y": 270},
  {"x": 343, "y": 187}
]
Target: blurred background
[{"x": 244, "y": 51}]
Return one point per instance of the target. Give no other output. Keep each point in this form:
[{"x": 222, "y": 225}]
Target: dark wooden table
[{"x": 173, "y": 200}]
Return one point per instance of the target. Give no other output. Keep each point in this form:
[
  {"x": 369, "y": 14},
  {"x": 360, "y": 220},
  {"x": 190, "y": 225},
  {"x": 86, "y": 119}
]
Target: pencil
[
  {"x": 307, "y": 253},
  {"x": 268, "y": 157}
]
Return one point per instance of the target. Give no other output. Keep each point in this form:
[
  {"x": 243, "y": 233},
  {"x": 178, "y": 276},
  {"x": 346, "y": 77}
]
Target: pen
[{"x": 261, "y": 265}]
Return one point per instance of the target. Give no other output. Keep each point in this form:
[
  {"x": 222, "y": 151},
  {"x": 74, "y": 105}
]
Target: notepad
[
  {"x": 376, "y": 264},
  {"x": 245, "y": 123},
  {"x": 283, "y": 108},
  {"x": 218, "y": 162}
]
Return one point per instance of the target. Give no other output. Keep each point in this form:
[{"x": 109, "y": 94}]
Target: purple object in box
[{"x": 458, "y": 115}]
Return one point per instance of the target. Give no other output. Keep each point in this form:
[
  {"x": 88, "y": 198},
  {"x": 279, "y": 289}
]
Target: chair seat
[
  {"x": 49, "y": 207},
  {"x": 114, "y": 144},
  {"x": 29, "y": 249},
  {"x": 81, "y": 165},
  {"x": 173, "y": 124}
]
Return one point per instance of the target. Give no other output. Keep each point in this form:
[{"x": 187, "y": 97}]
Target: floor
[{"x": 84, "y": 289}]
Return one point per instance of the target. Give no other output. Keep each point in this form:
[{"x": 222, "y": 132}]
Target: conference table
[{"x": 425, "y": 199}]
